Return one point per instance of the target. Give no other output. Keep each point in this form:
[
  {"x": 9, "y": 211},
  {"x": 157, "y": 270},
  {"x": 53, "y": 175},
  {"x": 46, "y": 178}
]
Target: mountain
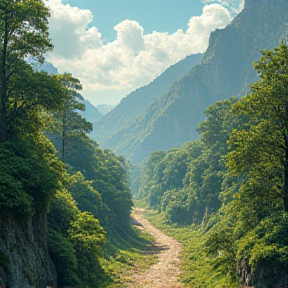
[
  {"x": 105, "y": 108},
  {"x": 124, "y": 115},
  {"x": 225, "y": 70},
  {"x": 91, "y": 113},
  {"x": 49, "y": 68}
]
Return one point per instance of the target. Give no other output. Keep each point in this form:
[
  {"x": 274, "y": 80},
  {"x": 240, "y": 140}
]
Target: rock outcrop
[{"x": 24, "y": 258}]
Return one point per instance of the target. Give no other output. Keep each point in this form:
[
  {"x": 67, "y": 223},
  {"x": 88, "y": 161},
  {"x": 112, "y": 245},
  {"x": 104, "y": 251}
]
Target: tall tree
[
  {"x": 24, "y": 33},
  {"x": 70, "y": 122},
  {"x": 259, "y": 149}
]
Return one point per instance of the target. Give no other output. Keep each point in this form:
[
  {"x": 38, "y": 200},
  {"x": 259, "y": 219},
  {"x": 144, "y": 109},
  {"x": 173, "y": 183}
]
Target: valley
[{"x": 184, "y": 183}]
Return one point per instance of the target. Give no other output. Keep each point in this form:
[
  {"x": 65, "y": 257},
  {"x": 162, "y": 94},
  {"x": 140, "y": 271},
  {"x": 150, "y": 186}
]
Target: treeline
[
  {"x": 233, "y": 182},
  {"x": 48, "y": 163}
]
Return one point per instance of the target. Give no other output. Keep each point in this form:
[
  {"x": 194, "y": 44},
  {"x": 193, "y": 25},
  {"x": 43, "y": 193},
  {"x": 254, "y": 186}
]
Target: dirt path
[{"x": 165, "y": 273}]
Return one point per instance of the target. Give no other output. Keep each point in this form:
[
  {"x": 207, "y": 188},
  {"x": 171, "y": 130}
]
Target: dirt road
[{"x": 165, "y": 273}]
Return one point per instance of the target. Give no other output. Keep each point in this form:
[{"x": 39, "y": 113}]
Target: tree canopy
[{"x": 24, "y": 34}]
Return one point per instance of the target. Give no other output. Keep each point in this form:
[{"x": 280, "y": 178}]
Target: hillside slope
[
  {"x": 225, "y": 71},
  {"x": 91, "y": 114},
  {"x": 120, "y": 119}
]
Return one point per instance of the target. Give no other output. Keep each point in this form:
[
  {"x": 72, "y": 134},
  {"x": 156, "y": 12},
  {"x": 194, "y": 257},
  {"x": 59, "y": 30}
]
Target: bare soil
[{"x": 165, "y": 273}]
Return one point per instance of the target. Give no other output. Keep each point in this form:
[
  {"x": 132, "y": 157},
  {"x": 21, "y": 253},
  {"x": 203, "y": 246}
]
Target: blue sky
[
  {"x": 117, "y": 46},
  {"x": 160, "y": 15}
]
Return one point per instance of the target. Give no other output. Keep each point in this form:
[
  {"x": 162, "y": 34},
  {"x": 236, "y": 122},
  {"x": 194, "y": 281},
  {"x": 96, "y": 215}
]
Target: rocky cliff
[
  {"x": 226, "y": 70},
  {"x": 24, "y": 259}
]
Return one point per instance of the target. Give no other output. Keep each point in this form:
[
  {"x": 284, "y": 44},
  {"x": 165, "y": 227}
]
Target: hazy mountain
[
  {"x": 91, "y": 113},
  {"x": 136, "y": 103},
  {"x": 105, "y": 108},
  {"x": 226, "y": 70},
  {"x": 49, "y": 68}
]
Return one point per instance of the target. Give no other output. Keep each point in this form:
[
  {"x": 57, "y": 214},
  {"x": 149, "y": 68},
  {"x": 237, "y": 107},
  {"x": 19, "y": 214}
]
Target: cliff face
[
  {"x": 226, "y": 70},
  {"x": 264, "y": 276},
  {"x": 24, "y": 243}
]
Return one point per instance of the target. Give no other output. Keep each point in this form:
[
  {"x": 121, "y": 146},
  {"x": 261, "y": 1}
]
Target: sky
[{"x": 117, "y": 46}]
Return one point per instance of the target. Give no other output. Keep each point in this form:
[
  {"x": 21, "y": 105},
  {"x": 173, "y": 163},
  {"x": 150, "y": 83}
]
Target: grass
[
  {"x": 125, "y": 257},
  {"x": 198, "y": 268}
]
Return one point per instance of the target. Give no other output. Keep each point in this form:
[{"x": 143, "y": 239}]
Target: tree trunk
[
  {"x": 285, "y": 192},
  {"x": 3, "y": 102},
  {"x": 63, "y": 139},
  {"x": 3, "y": 114},
  {"x": 285, "y": 188}
]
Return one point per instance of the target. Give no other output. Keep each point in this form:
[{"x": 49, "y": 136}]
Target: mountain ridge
[
  {"x": 139, "y": 100},
  {"x": 225, "y": 71}
]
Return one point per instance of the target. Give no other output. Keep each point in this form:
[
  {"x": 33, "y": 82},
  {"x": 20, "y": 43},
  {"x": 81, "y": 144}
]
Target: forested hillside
[
  {"x": 230, "y": 186},
  {"x": 64, "y": 202},
  {"x": 225, "y": 70}
]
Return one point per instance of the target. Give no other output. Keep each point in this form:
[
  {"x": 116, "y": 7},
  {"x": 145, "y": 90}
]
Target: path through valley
[{"x": 165, "y": 273}]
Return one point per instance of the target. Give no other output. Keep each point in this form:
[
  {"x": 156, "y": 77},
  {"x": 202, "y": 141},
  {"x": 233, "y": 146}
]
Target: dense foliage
[
  {"x": 94, "y": 194},
  {"x": 82, "y": 188},
  {"x": 233, "y": 181}
]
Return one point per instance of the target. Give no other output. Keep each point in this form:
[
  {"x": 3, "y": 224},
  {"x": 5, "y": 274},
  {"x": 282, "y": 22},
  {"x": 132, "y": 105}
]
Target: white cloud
[
  {"x": 130, "y": 35},
  {"x": 234, "y": 6},
  {"x": 68, "y": 30},
  {"x": 133, "y": 59}
]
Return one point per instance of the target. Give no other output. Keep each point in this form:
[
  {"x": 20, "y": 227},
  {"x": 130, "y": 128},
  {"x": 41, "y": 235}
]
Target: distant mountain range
[
  {"x": 105, "y": 108},
  {"x": 49, "y": 68},
  {"x": 158, "y": 118},
  {"x": 121, "y": 120},
  {"x": 91, "y": 113}
]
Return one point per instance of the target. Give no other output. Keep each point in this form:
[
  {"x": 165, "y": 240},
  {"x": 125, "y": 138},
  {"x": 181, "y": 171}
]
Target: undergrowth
[{"x": 126, "y": 257}]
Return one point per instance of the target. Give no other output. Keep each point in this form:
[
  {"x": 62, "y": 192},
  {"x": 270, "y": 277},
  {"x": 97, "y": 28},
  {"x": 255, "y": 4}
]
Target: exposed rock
[
  {"x": 264, "y": 276},
  {"x": 24, "y": 256}
]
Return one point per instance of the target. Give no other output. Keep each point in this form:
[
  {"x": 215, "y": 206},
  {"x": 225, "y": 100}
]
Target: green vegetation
[
  {"x": 131, "y": 258},
  {"x": 228, "y": 190},
  {"x": 50, "y": 167},
  {"x": 198, "y": 267},
  {"x": 225, "y": 195}
]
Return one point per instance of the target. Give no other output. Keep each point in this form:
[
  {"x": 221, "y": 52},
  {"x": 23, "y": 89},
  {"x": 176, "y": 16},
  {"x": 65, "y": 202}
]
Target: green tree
[
  {"x": 259, "y": 148},
  {"x": 62, "y": 212},
  {"x": 32, "y": 95},
  {"x": 68, "y": 121},
  {"x": 87, "y": 236},
  {"x": 87, "y": 198},
  {"x": 24, "y": 33}
]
